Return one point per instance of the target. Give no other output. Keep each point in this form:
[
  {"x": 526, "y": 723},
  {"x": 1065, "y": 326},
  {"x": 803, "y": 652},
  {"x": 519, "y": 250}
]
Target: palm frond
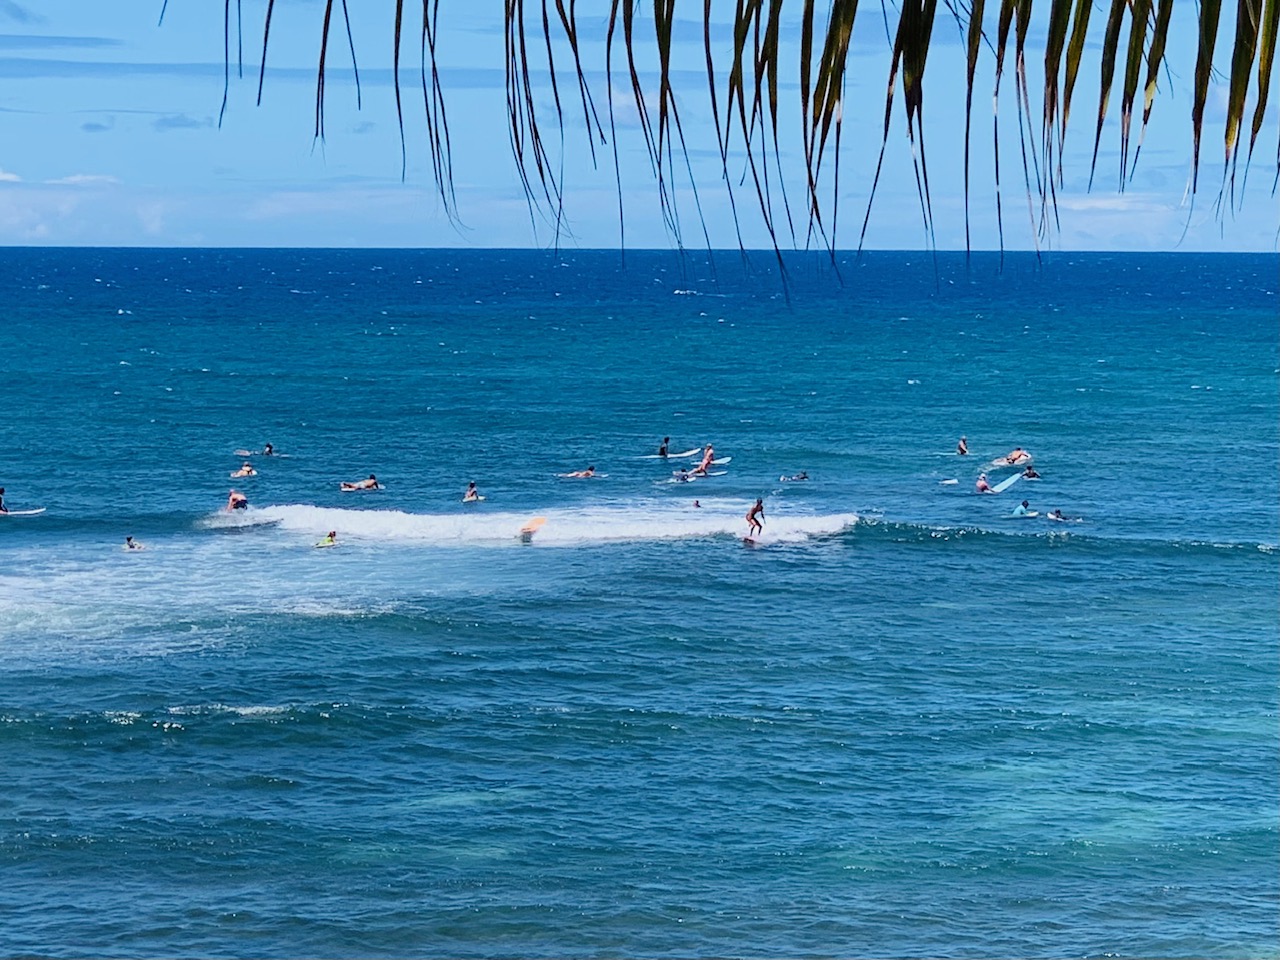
[{"x": 545, "y": 52}]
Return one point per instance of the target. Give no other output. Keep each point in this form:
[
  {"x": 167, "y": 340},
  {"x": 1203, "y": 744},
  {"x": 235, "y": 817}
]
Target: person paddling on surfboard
[
  {"x": 245, "y": 471},
  {"x": 1021, "y": 510},
  {"x": 370, "y": 484},
  {"x": 755, "y": 518},
  {"x": 982, "y": 486},
  {"x": 581, "y": 474}
]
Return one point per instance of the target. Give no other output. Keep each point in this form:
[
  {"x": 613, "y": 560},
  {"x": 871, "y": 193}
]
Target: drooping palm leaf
[{"x": 750, "y": 128}]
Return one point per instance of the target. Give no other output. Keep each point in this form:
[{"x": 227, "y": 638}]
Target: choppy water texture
[{"x": 903, "y": 724}]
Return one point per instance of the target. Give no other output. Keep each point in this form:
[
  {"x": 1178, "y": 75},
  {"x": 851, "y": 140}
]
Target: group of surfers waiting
[
  {"x": 236, "y": 500},
  {"x": 1017, "y": 457}
]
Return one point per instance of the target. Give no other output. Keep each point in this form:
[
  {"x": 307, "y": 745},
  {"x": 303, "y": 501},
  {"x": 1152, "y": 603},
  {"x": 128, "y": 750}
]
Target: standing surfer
[{"x": 755, "y": 517}]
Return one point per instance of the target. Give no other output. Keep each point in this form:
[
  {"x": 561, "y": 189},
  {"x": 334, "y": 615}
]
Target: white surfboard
[
  {"x": 23, "y": 513},
  {"x": 720, "y": 461},
  {"x": 1006, "y": 483},
  {"x": 476, "y": 499}
]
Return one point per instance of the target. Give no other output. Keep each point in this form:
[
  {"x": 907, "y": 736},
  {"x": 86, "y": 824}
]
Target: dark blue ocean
[{"x": 903, "y": 723}]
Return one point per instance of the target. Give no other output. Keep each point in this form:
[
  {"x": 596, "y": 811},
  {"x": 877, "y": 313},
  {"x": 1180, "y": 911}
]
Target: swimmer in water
[
  {"x": 370, "y": 484},
  {"x": 755, "y": 518},
  {"x": 1030, "y": 474}
]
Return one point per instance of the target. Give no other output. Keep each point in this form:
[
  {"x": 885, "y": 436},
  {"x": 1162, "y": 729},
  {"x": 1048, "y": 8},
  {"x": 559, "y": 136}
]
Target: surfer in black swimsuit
[
  {"x": 662, "y": 450},
  {"x": 3, "y": 508}
]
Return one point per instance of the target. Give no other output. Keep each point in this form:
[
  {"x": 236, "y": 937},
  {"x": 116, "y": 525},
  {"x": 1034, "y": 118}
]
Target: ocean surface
[{"x": 902, "y": 724}]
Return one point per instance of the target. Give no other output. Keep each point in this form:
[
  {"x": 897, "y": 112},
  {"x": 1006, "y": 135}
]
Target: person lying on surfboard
[
  {"x": 982, "y": 486},
  {"x": 370, "y": 484},
  {"x": 236, "y": 501},
  {"x": 132, "y": 544},
  {"x": 754, "y": 517},
  {"x": 1021, "y": 510},
  {"x": 1015, "y": 456},
  {"x": 581, "y": 474},
  {"x": 245, "y": 471}
]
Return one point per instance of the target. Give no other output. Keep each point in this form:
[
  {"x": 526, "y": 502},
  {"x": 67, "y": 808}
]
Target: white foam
[{"x": 658, "y": 520}]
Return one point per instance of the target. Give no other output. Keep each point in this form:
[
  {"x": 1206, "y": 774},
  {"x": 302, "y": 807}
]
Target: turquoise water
[{"x": 903, "y": 724}]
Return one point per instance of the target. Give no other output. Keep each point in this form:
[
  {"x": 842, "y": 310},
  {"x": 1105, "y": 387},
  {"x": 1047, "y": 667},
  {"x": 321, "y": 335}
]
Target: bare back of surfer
[
  {"x": 245, "y": 471},
  {"x": 371, "y": 483},
  {"x": 755, "y": 518},
  {"x": 581, "y": 474},
  {"x": 982, "y": 486},
  {"x": 236, "y": 501}
]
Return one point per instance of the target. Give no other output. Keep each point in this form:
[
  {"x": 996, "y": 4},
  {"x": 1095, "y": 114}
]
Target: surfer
[
  {"x": 268, "y": 450},
  {"x": 1021, "y": 509},
  {"x": 3, "y": 508},
  {"x": 237, "y": 501},
  {"x": 1015, "y": 456},
  {"x": 370, "y": 484},
  {"x": 1030, "y": 474},
  {"x": 472, "y": 494},
  {"x": 132, "y": 544},
  {"x": 245, "y": 471},
  {"x": 662, "y": 450},
  {"x": 697, "y": 505},
  {"x": 330, "y": 539},
  {"x": 962, "y": 448},
  {"x": 708, "y": 455},
  {"x": 802, "y": 475},
  {"x": 581, "y": 474},
  {"x": 982, "y": 486},
  {"x": 683, "y": 477},
  {"x": 755, "y": 518}
]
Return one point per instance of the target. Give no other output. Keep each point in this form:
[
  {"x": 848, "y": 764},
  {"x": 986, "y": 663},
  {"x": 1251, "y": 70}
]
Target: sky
[{"x": 110, "y": 134}]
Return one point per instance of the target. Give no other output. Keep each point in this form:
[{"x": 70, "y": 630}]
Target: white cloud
[
  {"x": 7, "y": 177},
  {"x": 83, "y": 179}
]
